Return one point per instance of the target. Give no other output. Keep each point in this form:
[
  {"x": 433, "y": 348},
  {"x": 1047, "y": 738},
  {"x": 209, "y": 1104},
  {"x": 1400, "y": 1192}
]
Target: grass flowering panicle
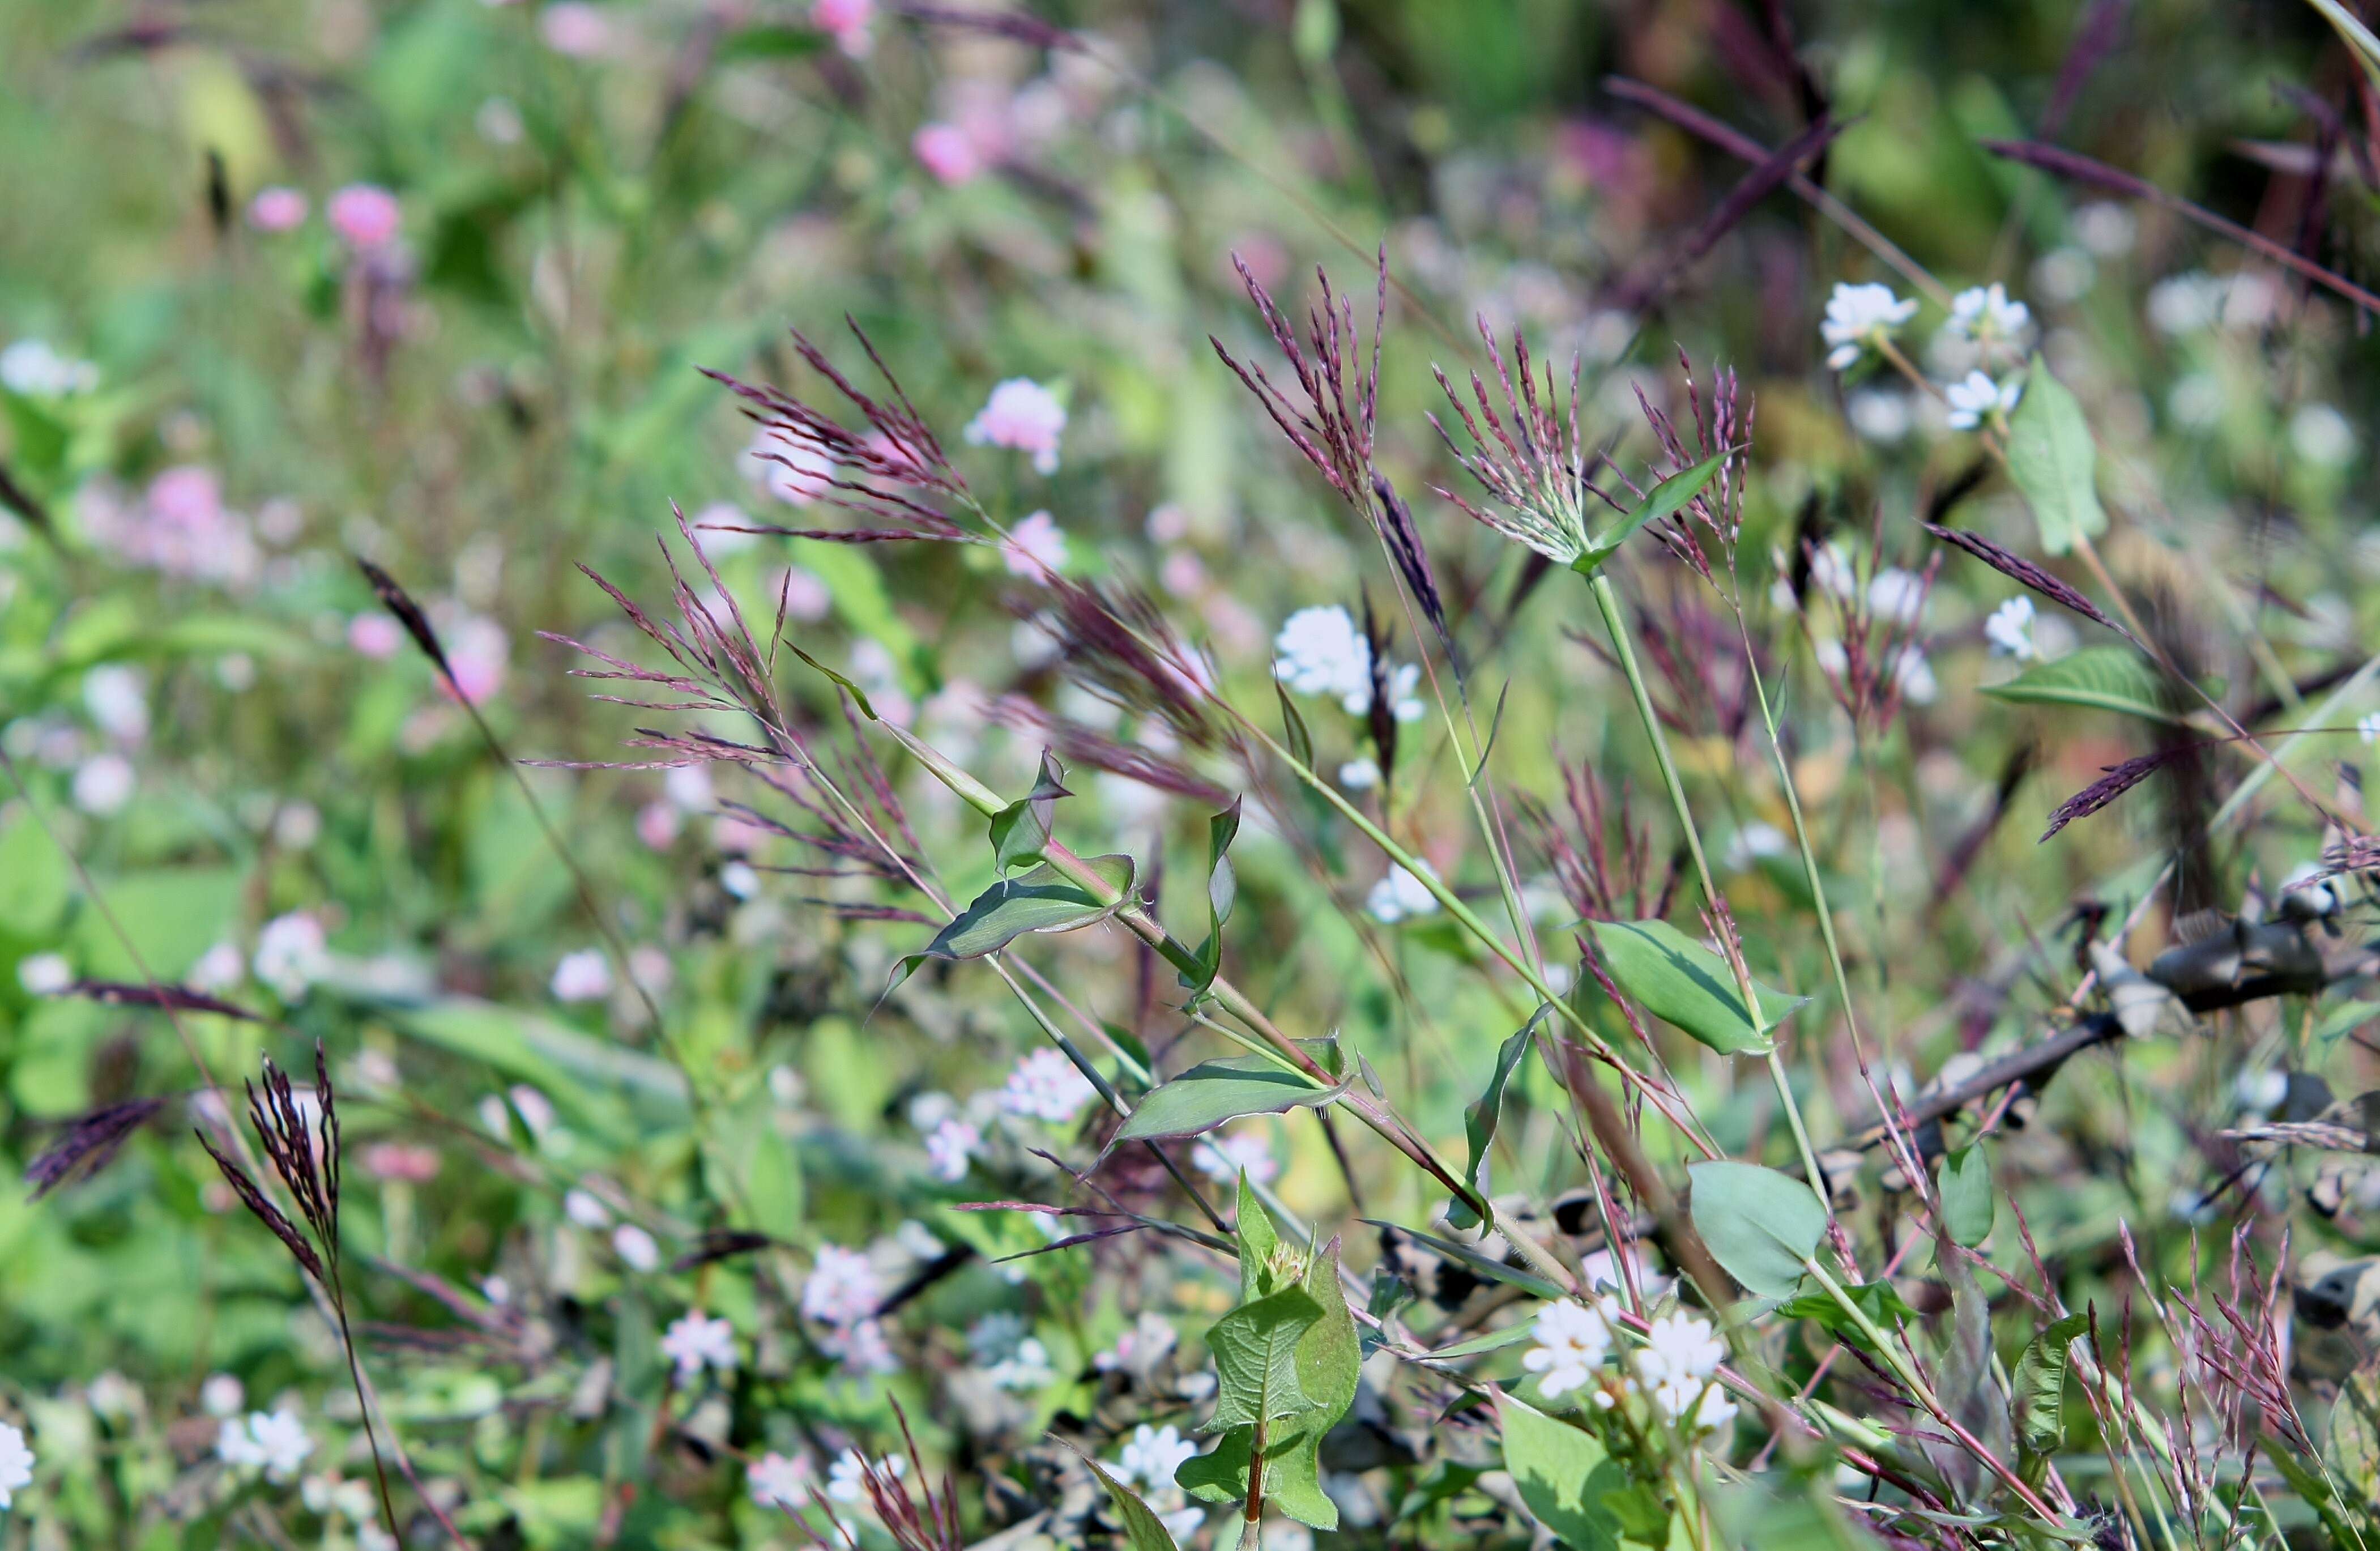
[
  {"x": 891, "y": 473},
  {"x": 1335, "y": 428},
  {"x": 1537, "y": 469}
]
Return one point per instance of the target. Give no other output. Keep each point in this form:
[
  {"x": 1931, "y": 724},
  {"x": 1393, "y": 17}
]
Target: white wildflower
[
  {"x": 950, "y": 1147},
  {"x": 583, "y": 1208},
  {"x": 2320, "y": 434},
  {"x": 1045, "y": 1087},
  {"x": 2010, "y": 629},
  {"x": 17, "y": 1463},
  {"x": 291, "y": 954},
  {"x": 221, "y": 1395},
  {"x": 1320, "y": 651},
  {"x": 1860, "y": 317},
  {"x": 103, "y": 784},
  {"x": 1227, "y": 1157},
  {"x": 1896, "y": 595},
  {"x": 778, "y": 1481},
  {"x": 34, "y": 368},
  {"x": 583, "y": 976},
  {"x": 1359, "y": 775},
  {"x": 1751, "y": 844},
  {"x": 1138, "y": 1350},
  {"x": 695, "y": 1340},
  {"x": 1976, "y": 398},
  {"x": 1151, "y": 1456},
  {"x": 1985, "y": 315},
  {"x": 44, "y": 975},
  {"x": 843, "y": 1287},
  {"x": 2367, "y": 727},
  {"x": 1572, "y": 1342},
  {"x": 845, "y": 1481},
  {"x": 635, "y": 1247},
  {"x": 278, "y": 1444},
  {"x": 1400, "y": 895}
]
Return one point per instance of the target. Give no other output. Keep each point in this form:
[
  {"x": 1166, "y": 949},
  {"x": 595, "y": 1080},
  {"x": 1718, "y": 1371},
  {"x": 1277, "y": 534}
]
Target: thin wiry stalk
[{"x": 1607, "y": 599}]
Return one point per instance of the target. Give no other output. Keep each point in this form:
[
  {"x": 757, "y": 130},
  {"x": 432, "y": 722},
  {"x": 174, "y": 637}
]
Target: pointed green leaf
[
  {"x": 1664, "y": 499},
  {"x": 1224, "y": 1089},
  {"x": 1969, "y": 1205},
  {"x": 1255, "y": 1348},
  {"x": 1473, "y": 1261},
  {"x": 1040, "y": 900},
  {"x": 2106, "y": 678},
  {"x": 2037, "y": 1391},
  {"x": 1020, "y": 832},
  {"x": 1223, "y": 890},
  {"x": 1143, "y": 1530},
  {"x": 1479, "y": 1118},
  {"x": 1259, "y": 1242},
  {"x": 1563, "y": 1474},
  {"x": 1679, "y": 981},
  {"x": 1878, "y": 1301},
  {"x": 2052, "y": 460},
  {"x": 1219, "y": 1475},
  {"x": 1760, "y": 1225}
]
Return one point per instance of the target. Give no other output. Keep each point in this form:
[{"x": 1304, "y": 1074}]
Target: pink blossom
[
  {"x": 186, "y": 496},
  {"x": 580, "y": 30},
  {"x": 375, "y": 635},
  {"x": 846, "y": 22},
  {"x": 399, "y": 1160},
  {"x": 277, "y": 210},
  {"x": 478, "y": 652},
  {"x": 945, "y": 150},
  {"x": 1024, "y": 415},
  {"x": 1036, "y": 547},
  {"x": 365, "y": 215},
  {"x": 656, "y": 826}
]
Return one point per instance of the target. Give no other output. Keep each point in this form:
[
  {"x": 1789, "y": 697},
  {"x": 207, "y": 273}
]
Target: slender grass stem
[{"x": 1607, "y": 599}]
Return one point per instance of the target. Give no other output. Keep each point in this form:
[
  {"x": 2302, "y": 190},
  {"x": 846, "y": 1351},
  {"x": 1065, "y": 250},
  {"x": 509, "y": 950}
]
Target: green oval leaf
[
  {"x": 1679, "y": 981},
  {"x": 1969, "y": 1206},
  {"x": 1213, "y": 1092},
  {"x": 1255, "y": 1359},
  {"x": 1040, "y": 900},
  {"x": 1664, "y": 499},
  {"x": 1760, "y": 1225},
  {"x": 2037, "y": 1393},
  {"x": 2102, "y": 678},
  {"x": 1563, "y": 1474},
  {"x": 2052, "y": 460}
]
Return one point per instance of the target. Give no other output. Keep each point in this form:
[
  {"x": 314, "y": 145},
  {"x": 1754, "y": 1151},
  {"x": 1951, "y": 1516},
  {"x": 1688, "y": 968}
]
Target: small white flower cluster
[
  {"x": 1149, "y": 1459},
  {"x": 1675, "y": 1371},
  {"x": 1320, "y": 651},
  {"x": 1046, "y": 1086},
  {"x": 1010, "y": 1357},
  {"x": 274, "y": 1442},
  {"x": 694, "y": 1341},
  {"x": 15, "y": 1464},
  {"x": 1400, "y": 896},
  {"x": 842, "y": 1292},
  {"x": 1984, "y": 323}
]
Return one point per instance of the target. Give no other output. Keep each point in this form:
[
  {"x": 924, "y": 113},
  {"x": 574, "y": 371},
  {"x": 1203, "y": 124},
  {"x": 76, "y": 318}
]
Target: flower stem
[{"x": 1608, "y": 600}]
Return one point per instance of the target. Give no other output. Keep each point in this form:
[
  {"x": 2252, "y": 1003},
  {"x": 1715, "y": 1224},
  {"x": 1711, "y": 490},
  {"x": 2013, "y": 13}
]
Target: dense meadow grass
[{"x": 1188, "y": 775}]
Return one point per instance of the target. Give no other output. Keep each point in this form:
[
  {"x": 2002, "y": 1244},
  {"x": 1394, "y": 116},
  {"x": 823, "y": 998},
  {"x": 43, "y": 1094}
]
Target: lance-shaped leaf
[
  {"x": 1969, "y": 1206},
  {"x": 1664, "y": 499},
  {"x": 1040, "y": 900},
  {"x": 1563, "y": 1474},
  {"x": 1681, "y": 982},
  {"x": 1143, "y": 1530},
  {"x": 1878, "y": 1301},
  {"x": 1760, "y": 1225},
  {"x": 1473, "y": 1261},
  {"x": 2052, "y": 460},
  {"x": 1480, "y": 1116},
  {"x": 1020, "y": 832},
  {"x": 1223, "y": 890},
  {"x": 1255, "y": 1359},
  {"x": 1257, "y": 1239},
  {"x": 2037, "y": 1392},
  {"x": 1224, "y": 1089},
  {"x": 2106, "y": 678}
]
